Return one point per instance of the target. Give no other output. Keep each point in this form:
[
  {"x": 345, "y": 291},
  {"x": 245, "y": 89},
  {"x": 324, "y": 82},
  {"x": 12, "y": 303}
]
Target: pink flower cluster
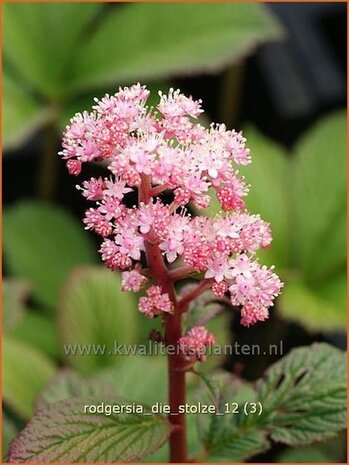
[
  {"x": 195, "y": 342},
  {"x": 155, "y": 302},
  {"x": 165, "y": 149}
]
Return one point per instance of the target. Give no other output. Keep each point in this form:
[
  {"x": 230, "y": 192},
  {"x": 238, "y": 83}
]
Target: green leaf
[
  {"x": 161, "y": 455},
  {"x": 40, "y": 41},
  {"x": 43, "y": 243},
  {"x": 39, "y": 331},
  {"x": 95, "y": 316},
  {"x": 335, "y": 291},
  {"x": 122, "y": 376},
  {"x": 303, "y": 399},
  {"x": 68, "y": 384},
  {"x": 319, "y": 188},
  {"x": 317, "y": 308},
  {"x": 14, "y": 293},
  {"x": 212, "y": 386},
  {"x": 25, "y": 372},
  {"x": 9, "y": 432},
  {"x": 304, "y": 395},
  {"x": 239, "y": 446},
  {"x": 156, "y": 40},
  {"x": 64, "y": 433},
  {"x": 22, "y": 113},
  {"x": 229, "y": 435},
  {"x": 152, "y": 389}
]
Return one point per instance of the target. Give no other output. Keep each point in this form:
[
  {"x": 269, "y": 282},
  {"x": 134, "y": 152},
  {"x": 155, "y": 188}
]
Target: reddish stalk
[
  {"x": 176, "y": 375},
  {"x": 181, "y": 272},
  {"x": 185, "y": 301},
  {"x": 177, "y": 394}
]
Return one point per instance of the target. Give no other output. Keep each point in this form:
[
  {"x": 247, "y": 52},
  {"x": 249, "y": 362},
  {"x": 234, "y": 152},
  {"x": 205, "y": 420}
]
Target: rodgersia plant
[
  {"x": 165, "y": 158},
  {"x": 171, "y": 160}
]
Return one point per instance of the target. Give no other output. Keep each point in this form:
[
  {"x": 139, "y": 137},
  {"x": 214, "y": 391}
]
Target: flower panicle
[{"x": 169, "y": 147}]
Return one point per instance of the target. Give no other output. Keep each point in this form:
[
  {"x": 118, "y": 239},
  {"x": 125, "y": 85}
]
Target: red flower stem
[
  {"x": 173, "y": 331},
  {"x": 185, "y": 301},
  {"x": 181, "y": 272}
]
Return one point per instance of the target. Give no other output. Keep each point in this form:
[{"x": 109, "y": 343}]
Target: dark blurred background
[{"x": 281, "y": 87}]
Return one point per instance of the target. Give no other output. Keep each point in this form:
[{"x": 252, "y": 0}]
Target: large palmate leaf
[
  {"x": 63, "y": 432},
  {"x": 94, "y": 317},
  {"x": 21, "y": 113},
  {"x": 25, "y": 372},
  {"x": 43, "y": 243},
  {"x": 40, "y": 40},
  {"x": 303, "y": 400},
  {"x": 152, "y": 388},
  {"x": 116, "y": 382},
  {"x": 319, "y": 199},
  {"x": 229, "y": 435},
  {"x": 304, "y": 395},
  {"x": 155, "y": 40}
]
